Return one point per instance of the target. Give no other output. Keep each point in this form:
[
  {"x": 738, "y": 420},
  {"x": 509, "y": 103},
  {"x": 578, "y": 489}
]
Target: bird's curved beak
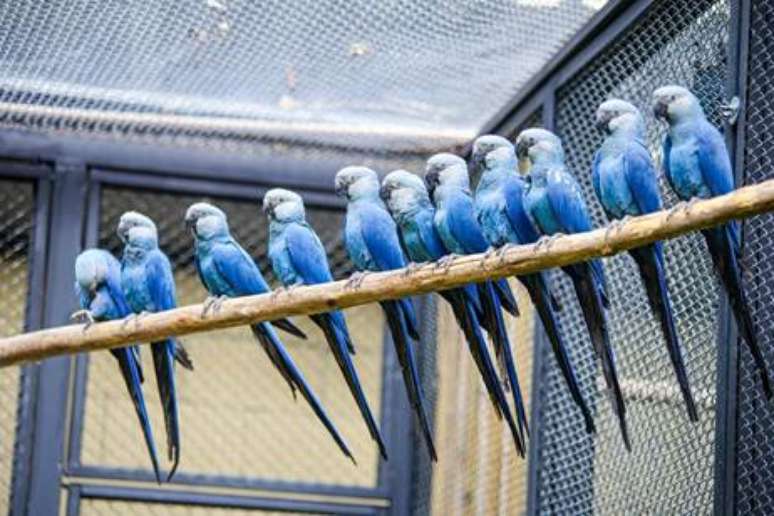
[
  {"x": 603, "y": 121},
  {"x": 190, "y": 225},
  {"x": 122, "y": 231},
  {"x": 522, "y": 148},
  {"x": 432, "y": 180},
  {"x": 385, "y": 192},
  {"x": 661, "y": 109},
  {"x": 341, "y": 188}
]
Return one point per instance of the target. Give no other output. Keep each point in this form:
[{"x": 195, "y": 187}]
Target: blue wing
[
  {"x": 238, "y": 270},
  {"x": 567, "y": 203},
  {"x": 666, "y": 150},
  {"x": 307, "y": 255},
  {"x": 516, "y": 213},
  {"x": 380, "y": 236},
  {"x": 464, "y": 227},
  {"x": 641, "y": 178},
  {"x": 160, "y": 282},
  {"x": 713, "y": 160},
  {"x": 429, "y": 236},
  {"x": 571, "y": 212}
]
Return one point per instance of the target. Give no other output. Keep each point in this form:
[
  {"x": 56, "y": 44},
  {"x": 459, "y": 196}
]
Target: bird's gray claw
[
  {"x": 503, "y": 252},
  {"x": 207, "y": 305},
  {"x": 681, "y": 207},
  {"x": 355, "y": 280},
  {"x": 277, "y": 291},
  {"x": 446, "y": 262},
  {"x": 83, "y": 316},
  {"x": 613, "y": 227},
  {"x": 411, "y": 268},
  {"x": 487, "y": 255},
  {"x": 218, "y": 303}
]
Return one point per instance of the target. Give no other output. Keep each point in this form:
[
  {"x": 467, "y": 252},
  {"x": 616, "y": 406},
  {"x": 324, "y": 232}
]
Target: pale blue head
[
  {"x": 403, "y": 192},
  {"x": 283, "y": 206},
  {"x": 354, "y": 183},
  {"x": 92, "y": 268},
  {"x": 618, "y": 117},
  {"x": 142, "y": 238},
  {"x": 675, "y": 104},
  {"x": 206, "y": 221},
  {"x": 130, "y": 220},
  {"x": 446, "y": 170},
  {"x": 482, "y": 146},
  {"x": 536, "y": 145}
]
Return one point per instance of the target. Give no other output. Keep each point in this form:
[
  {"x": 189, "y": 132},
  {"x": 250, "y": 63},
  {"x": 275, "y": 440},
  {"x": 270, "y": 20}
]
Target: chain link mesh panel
[
  {"x": 755, "y": 447},
  {"x": 308, "y": 69},
  {"x": 16, "y": 229},
  {"x": 679, "y": 42},
  {"x": 238, "y": 418}
]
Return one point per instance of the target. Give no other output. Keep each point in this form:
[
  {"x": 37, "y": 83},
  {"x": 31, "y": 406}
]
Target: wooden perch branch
[{"x": 742, "y": 203}]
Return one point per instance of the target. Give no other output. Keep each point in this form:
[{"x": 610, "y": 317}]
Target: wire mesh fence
[
  {"x": 238, "y": 418},
  {"x": 685, "y": 43},
  {"x": 754, "y": 444},
  {"x": 16, "y": 229}
]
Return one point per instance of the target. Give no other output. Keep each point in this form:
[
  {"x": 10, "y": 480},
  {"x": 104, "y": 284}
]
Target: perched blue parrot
[
  {"x": 409, "y": 204},
  {"x": 226, "y": 270},
  {"x": 625, "y": 183},
  {"x": 500, "y": 211},
  {"x": 98, "y": 287},
  {"x": 298, "y": 258},
  {"x": 446, "y": 176},
  {"x": 697, "y": 166},
  {"x": 371, "y": 239},
  {"x": 148, "y": 284},
  {"x": 555, "y": 205}
]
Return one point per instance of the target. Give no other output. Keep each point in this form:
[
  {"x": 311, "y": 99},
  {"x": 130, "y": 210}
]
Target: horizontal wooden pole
[{"x": 742, "y": 203}]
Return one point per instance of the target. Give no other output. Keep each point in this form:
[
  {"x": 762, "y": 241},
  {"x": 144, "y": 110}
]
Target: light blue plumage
[
  {"x": 147, "y": 282},
  {"x": 409, "y": 204},
  {"x": 626, "y": 185},
  {"x": 227, "y": 270},
  {"x": 500, "y": 211},
  {"x": 446, "y": 177},
  {"x": 555, "y": 205},
  {"x": 371, "y": 239},
  {"x": 298, "y": 258},
  {"x": 697, "y": 165},
  {"x": 98, "y": 287}
]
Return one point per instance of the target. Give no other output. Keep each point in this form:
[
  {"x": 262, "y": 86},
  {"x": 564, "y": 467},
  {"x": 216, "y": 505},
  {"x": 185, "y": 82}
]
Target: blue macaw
[
  {"x": 371, "y": 239},
  {"x": 446, "y": 176},
  {"x": 500, "y": 212},
  {"x": 226, "y": 270},
  {"x": 697, "y": 166},
  {"x": 98, "y": 287},
  {"x": 409, "y": 204},
  {"x": 148, "y": 284},
  {"x": 298, "y": 258},
  {"x": 626, "y": 185},
  {"x": 555, "y": 205}
]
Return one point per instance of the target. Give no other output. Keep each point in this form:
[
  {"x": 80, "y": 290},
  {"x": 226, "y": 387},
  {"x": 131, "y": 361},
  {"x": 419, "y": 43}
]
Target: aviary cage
[{"x": 109, "y": 106}]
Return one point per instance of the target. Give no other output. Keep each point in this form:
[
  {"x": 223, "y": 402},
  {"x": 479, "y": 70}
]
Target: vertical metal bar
[
  {"x": 66, "y": 223},
  {"x": 73, "y": 500},
  {"x": 34, "y": 320},
  {"x": 728, "y": 349},
  {"x": 80, "y": 375}
]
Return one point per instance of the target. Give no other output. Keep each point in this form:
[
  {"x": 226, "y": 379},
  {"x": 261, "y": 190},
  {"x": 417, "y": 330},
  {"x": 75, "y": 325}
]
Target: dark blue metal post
[{"x": 66, "y": 223}]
